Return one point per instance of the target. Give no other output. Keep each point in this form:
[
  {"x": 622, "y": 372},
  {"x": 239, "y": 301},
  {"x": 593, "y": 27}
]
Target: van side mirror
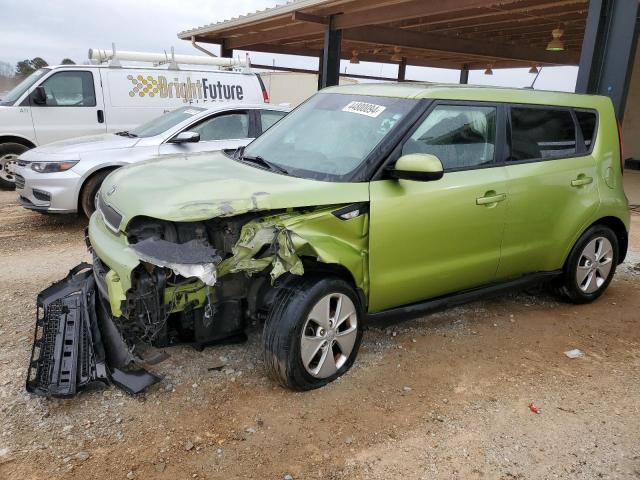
[
  {"x": 39, "y": 96},
  {"x": 186, "y": 137},
  {"x": 422, "y": 167}
]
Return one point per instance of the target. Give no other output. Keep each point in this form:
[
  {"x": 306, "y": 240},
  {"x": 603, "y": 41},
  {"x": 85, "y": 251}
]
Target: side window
[
  {"x": 587, "y": 121},
  {"x": 225, "y": 126},
  {"x": 269, "y": 117},
  {"x": 460, "y": 136},
  {"x": 70, "y": 89},
  {"x": 541, "y": 133}
]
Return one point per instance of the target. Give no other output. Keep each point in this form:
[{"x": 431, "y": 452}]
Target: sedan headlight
[{"x": 51, "y": 167}]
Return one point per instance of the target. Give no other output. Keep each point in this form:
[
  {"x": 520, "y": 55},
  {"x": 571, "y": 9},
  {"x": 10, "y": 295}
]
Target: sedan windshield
[
  {"x": 164, "y": 122},
  {"x": 13, "y": 95},
  {"x": 330, "y": 136}
]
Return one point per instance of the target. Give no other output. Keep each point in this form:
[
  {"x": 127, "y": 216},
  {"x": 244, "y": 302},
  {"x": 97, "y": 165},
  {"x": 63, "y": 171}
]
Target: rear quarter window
[
  {"x": 541, "y": 133},
  {"x": 587, "y": 121}
]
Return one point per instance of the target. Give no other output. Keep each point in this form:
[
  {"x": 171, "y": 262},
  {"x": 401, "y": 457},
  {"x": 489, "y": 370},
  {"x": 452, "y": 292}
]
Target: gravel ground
[{"x": 444, "y": 396}]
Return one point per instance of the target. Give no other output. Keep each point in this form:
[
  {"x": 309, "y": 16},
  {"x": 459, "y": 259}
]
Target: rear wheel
[
  {"x": 313, "y": 333},
  {"x": 591, "y": 265},
  {"x": 90, "y": 190},
  {"x": 9, "y": 153}
]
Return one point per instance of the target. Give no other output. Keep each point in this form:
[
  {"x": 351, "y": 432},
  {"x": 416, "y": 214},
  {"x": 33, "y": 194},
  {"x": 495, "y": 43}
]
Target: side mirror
[
  {"x": 186, "y": 137},
  {"x": 418, "y": 166},
  {"x": 39, "y": 96}
]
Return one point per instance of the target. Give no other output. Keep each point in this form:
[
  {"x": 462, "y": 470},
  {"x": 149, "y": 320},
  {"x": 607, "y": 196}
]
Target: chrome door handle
[
  {"x": 489, "y": 199},
  {"x": 580, "y": 181}
]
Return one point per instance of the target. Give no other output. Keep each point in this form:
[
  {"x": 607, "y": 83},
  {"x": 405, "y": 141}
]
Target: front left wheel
[{"x": 313, "y": 332}]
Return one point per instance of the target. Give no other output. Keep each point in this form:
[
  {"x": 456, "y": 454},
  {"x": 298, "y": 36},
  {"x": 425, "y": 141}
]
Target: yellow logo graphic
[
  {"x": 189, "y": 91},
  {"x": 143, "y": 86}
]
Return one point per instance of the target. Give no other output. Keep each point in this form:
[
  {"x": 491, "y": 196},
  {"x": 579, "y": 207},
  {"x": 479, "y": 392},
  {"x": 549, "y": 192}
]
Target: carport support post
[
  {"x": 464, "y": 74},
  {"x": 226, "y": 52},
  {"x": 330, "y": 64},
  {"x": 608, "y": 50},
  {"x": 402, "y": 69},
  {"x": 320, "y": 63}
]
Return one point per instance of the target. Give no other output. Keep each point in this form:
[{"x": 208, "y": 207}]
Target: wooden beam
[
  {"x": 306, "y": 17},
  {"x": 477, "y": 17},
  {"x": 288, "y": 32},
  {"x": 429, "y": 41},
  {"x": 500, "y": 25},
  {"x": 313, "y": 72},
  {"x": 286, "y": 50},
  {"x": 407, "y": 10}
]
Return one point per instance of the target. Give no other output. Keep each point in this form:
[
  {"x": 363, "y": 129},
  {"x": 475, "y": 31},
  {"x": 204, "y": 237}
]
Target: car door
[
  {"x": 74, "y": 106},
  {"x": 229, "y": 129},
  {"x": 552, "y": 188},
  {"x": 427, "y": 239}
]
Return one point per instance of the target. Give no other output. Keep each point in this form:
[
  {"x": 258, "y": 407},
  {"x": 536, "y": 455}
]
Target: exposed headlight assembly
[{"x": 51, "y": 167}]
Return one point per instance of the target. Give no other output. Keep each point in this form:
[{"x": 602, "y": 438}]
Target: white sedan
[{"x": 64, "y": 177}]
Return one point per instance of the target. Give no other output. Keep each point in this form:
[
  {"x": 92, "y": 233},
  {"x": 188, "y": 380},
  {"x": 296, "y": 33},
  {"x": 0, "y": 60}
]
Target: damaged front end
[{"x": 162, "y": 283}]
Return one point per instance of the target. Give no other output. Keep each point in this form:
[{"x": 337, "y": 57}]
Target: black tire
[
  {"x": 283, "y": 331},
  {"x": 89, "y": 191},
  {"x": 570, "y": 285},
  {"x": 8, "y": 151}
]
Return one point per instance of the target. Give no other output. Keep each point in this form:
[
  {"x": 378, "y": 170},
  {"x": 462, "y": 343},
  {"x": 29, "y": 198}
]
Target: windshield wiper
[
  {"x": 261, "y": 161},
  {"x": 126, "y": 133}
]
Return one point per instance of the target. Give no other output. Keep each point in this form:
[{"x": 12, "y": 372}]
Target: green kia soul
[{"x": 366, "y": 200}]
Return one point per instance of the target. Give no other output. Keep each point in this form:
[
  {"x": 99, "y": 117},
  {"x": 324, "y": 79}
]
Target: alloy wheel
[
  {"x": 594, "y": 265},
  {"x": 329, "y": 335}
]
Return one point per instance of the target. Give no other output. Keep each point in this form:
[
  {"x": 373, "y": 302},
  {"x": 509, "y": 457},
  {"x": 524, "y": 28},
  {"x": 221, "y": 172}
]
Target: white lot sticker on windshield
[
  {"x": 363, "y": 108},
  {"x": 192, "y": 112}
]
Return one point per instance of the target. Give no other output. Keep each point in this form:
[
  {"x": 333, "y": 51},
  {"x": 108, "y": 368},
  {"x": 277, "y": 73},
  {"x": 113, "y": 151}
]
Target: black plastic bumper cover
[{"x": 68, "y": 352}]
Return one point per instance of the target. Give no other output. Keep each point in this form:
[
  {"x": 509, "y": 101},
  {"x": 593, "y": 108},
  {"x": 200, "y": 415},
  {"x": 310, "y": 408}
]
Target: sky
[{"x": 55, "y": 29}]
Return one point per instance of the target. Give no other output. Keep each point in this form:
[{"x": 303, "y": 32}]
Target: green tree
[
  {"x": 67, "y": 61},
  {"x": 27, "y": 67}
]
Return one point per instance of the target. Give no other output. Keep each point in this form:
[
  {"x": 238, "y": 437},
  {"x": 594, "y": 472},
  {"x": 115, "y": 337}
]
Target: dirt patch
[{"x": 444, "y": 396}]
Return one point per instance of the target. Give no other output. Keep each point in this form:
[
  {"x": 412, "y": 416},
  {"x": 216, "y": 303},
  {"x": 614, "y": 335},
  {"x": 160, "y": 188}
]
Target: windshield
[
  {"x": 164, "y": 122},
  {"x": 14, "y": 94},
  {"x": 330, "y": 136}
]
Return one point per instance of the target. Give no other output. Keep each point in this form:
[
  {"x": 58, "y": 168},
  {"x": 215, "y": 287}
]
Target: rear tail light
[
  {"x": 265, "y": 94},
  {"x": 621, "y": 143}
]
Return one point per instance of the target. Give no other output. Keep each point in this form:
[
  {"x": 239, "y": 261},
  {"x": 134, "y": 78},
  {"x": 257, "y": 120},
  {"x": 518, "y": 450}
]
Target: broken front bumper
[{"x": 68, "y": 350}]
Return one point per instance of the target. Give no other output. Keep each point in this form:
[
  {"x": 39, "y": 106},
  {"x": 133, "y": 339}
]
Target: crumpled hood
[
  {"x": 71, "y": 149},
  {"x": 209, "y": 185}
]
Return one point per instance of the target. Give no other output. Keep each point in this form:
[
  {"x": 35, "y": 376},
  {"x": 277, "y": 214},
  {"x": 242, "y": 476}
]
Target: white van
[{"x": 60, "y": 102}]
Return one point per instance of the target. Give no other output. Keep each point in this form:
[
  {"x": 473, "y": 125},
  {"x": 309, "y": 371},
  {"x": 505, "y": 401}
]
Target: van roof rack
[{"x": 173, "y": 60}]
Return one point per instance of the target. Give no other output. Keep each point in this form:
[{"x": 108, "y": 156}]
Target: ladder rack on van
[{"x": 173, "y": 60}]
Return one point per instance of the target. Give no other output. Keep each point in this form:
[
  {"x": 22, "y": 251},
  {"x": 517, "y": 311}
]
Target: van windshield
[
  {"x": 164, "y": 122},
  {"x": 14, "y": 94},
  {"x": 329, "y": 137}
]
